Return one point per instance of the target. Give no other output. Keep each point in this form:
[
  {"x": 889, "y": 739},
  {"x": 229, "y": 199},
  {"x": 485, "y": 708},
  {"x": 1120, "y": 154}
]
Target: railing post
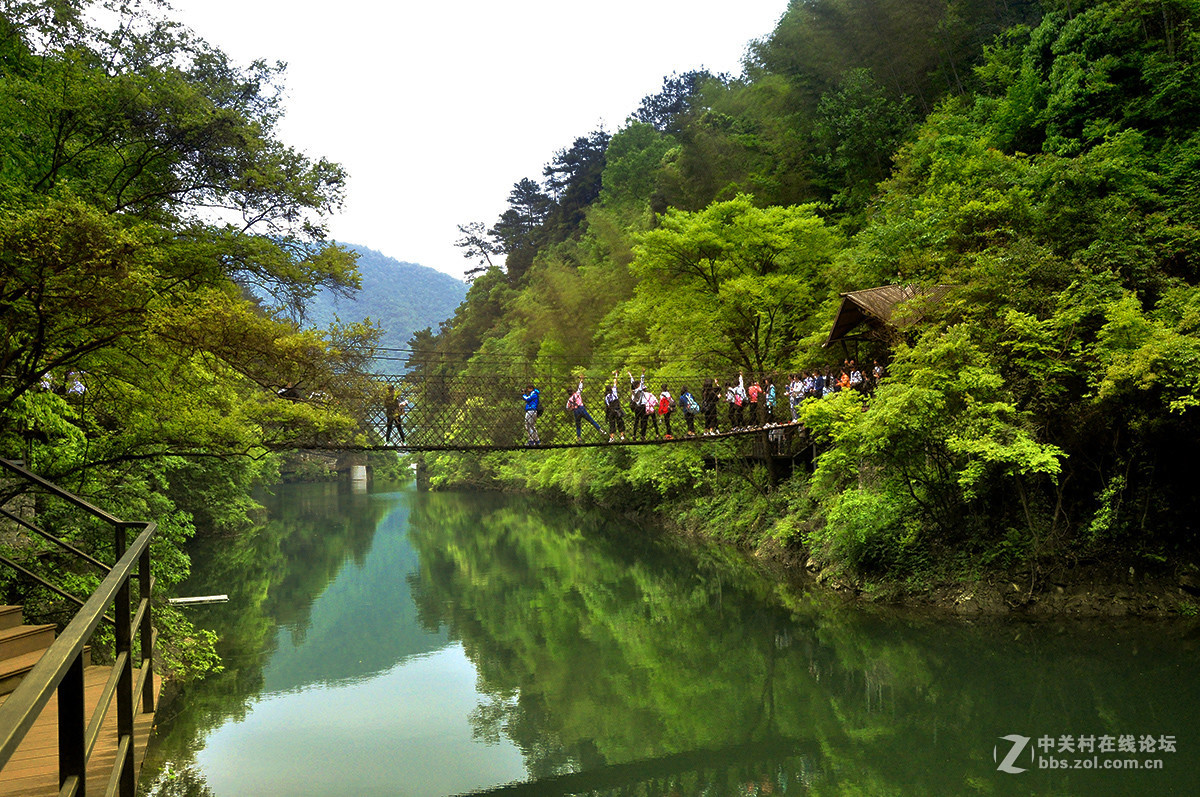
[
  {"x": 61, "y": 673},
  {"x": 72, "y": 753},
  {"x": 147, "y": 633},
  {"x": 124, "y": 639},
  {"x": 120, "y": 540}
]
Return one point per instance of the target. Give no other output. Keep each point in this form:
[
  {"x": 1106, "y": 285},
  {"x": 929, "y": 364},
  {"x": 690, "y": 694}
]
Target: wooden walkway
[{"x": 33, "y": 769}]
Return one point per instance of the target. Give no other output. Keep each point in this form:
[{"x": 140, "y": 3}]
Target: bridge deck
[{"x": 33, "y": 769}]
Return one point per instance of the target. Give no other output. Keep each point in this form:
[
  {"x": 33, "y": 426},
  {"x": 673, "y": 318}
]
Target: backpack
[
  {"x": 665, "y": 404},
  {"x": 689, "y": 404},
  {"x": 537, "y": 407}
]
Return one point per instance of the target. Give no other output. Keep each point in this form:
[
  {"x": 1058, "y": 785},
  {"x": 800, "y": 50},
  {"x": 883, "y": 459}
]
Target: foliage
[
  {"x": 1037, "y": 159},
  {"x": 667, "y": 110},
  {"x": 857, "y": 128},
  {"x": 744, "y": 275},
  {"x": 144, "y": 198},
  {"x": 934, "y": 441}
]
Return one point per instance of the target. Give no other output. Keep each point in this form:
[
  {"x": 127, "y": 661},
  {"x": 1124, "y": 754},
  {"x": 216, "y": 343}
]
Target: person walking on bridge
[
  {"x": 690, "y": 407},
  {"x": 769, "y": 398},
  {"x": 637, "y": 404},
  {"x": 613, "y": 411},
  {"x": 754, "y": 402},
  {"x": 735, "y": 395},
  {"x": 650, "y": 413},
  {"x": 389, "y": 413},
  {"x": 393, "y": 411},
  {"x": 575, "y": 406},
  {"x": 533, "y": 406},
  {"x": 666, "y": 405},
  {"x": 710, "y": 396}
]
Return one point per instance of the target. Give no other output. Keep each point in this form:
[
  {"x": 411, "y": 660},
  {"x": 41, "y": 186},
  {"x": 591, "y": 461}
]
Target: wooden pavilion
[{"x": 884, "y": 312}]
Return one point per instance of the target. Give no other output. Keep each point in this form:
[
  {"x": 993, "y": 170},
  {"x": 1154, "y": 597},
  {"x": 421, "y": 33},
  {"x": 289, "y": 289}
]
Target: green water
[{"x": 411, "y": 644}]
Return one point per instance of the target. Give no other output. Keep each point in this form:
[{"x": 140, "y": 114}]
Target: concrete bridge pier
[
  {"x": 422, "y": 473},
  {"x": 352, "y": 465}
]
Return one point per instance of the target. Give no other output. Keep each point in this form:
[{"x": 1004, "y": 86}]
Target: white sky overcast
[{"x": 436, "y": 108}]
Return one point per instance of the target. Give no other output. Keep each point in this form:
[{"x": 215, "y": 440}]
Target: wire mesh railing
[{"x": 433, "y": 411}]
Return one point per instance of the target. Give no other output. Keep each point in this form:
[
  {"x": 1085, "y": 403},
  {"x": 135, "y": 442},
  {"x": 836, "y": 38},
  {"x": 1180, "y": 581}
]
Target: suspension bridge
[{"x": 426, "y": 410}]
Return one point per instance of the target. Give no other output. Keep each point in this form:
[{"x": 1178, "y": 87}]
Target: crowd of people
[
  {"x": 736, "y": 404},
  {"x": 761, "y": 404}
]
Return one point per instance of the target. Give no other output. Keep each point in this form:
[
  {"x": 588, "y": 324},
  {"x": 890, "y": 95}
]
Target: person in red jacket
[
  {"x": 754, "y": 395},
  {"x": 666, "y": 405}
]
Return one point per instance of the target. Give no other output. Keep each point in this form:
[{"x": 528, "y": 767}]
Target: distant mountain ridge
[{"x": 400, "y": 297}]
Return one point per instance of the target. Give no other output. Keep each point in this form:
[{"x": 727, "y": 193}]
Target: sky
[{"x": 436, "y": 108}]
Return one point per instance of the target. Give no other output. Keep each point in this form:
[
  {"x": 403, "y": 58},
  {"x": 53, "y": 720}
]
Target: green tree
[
  {"x": 667, "y": 110},
  {"x": 477, "y": 245},
  {"x": 858, "y": 127},
  {"x": 145, "y": 199},
  {"x": 574, "y": 178},
  {"x": 520, "y": 230},
  {"x": 937, "y": 439},
  {"x": 733, "y": 282},
  {"x": 634, "y": 162}
]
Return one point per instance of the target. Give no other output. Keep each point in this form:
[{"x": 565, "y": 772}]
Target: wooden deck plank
[{"x": 33, "y": 769}]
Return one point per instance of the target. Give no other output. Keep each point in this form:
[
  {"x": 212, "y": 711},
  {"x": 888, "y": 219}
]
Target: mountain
[{"x": 401, "y": 297}]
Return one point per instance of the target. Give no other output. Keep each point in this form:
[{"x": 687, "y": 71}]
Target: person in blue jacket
[{"x": 533, "y": 404}]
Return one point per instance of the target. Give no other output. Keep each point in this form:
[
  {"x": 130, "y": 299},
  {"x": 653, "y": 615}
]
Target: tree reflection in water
[
  {"x": 605, "y": 648},
  {"x": 622, "y": 662}
]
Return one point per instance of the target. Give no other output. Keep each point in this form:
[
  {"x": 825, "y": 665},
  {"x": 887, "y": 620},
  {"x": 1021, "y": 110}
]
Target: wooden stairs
[{"x": 33, "y": 769}]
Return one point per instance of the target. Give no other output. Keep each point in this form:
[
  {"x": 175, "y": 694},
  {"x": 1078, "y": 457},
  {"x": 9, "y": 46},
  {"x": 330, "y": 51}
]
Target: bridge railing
[
  {"x": 487, "y": 412},
  {"x": 61, "y": 668},
  {"x": 468, "y": 410}
]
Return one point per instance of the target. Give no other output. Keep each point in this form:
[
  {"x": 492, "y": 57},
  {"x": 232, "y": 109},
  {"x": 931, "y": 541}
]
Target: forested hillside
[
  {"x": 399, "y": 298},
  {"x": 144, "y": 199},
  {"x": 1038, "y": 157}
]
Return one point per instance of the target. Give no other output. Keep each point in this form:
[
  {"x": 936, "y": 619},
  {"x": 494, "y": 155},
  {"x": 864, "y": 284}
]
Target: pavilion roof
[{"x": 888, "y": 307}]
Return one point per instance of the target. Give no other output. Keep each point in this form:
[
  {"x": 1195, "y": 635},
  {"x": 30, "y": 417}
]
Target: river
[{"x": 406, "y": 643}]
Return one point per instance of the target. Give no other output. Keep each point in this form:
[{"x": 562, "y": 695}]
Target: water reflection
[
  {"x": 332, "y": 684},
  {"x": 603, "y": 649},
  {"x": 378, "y": 735},
  {"x": 444, "y": 644}
]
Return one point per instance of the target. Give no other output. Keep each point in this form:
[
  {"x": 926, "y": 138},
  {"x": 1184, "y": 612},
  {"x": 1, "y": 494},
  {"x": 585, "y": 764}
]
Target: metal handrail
[
  {"x": 61, "y": 667},
  {"x": 67, "y": 496},
  {"x": 45, "y": 535}
]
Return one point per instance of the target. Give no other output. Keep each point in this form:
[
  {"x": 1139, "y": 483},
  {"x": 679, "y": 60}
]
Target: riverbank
[
  {"x": 1067, "y": 590},
  {"x": 1095, "y": 591}
]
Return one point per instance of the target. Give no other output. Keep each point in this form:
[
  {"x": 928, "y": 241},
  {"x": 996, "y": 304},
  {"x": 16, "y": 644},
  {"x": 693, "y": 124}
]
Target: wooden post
[
  {"x": 123, "y": 614},
  {"x": 72, "y": 759},
  {"x": 124, "y": 639},
  {"x": 764, "y": 453},
  {"x": 147, "y": 632}
]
